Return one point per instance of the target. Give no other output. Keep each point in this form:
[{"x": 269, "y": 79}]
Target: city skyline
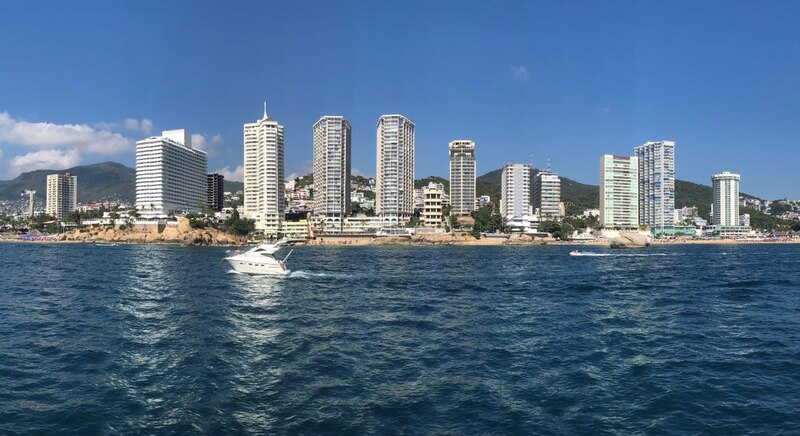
[{"x": 593, "y": 99}]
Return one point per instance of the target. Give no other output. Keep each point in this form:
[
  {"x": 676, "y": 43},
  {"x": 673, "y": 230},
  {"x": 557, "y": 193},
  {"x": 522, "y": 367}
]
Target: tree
[
  {"x": 454, "y": 224},
  {"x": 413, "y": 222},
  {"x": 239, "y": 226}
]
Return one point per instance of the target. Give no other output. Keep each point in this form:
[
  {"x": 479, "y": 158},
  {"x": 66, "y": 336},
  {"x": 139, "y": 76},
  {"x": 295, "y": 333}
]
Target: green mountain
[
  {"x": 102, "y": 181},
  {"x": 576, "y": 193}
]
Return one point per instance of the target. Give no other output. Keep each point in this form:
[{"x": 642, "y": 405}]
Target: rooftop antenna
[{"x": 265, "y": 108}]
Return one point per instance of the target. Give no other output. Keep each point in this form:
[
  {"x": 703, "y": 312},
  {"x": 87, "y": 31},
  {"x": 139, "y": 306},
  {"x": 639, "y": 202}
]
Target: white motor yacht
[{"x": 260, "y": 260}]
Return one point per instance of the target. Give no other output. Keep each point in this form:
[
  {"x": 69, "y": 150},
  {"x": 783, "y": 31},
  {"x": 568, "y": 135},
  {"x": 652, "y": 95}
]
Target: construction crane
[{"x": 30, "y": 193}]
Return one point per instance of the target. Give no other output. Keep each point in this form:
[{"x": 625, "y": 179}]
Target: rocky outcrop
[
  {"x": 629, "y": 240},
  {"x": 183, "y": 234}
]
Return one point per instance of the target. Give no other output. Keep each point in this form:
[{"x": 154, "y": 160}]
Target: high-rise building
[
  {"x": 432, "y": 204},
  {"x": 656, "y": 184},
  {"x": 215, "y": 191},
  {"x": 462, "y": 177},
  {"x": 547, "y": 194},
  {"x": 726, "y": 199},
  {"x": 263, "y": 174},
  {"x": 170, "y": 175},
  {"x": 394, "y": 190},
  {"x": 62, "y": 194},
  {"x": 515, "y": 191},
  {"x": 332, "y": 139},
  {"x": 619, "y": 192}
]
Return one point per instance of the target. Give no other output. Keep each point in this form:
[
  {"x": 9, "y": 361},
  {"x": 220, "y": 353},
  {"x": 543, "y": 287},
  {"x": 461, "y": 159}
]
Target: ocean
[{"x": 410, "y": 340}]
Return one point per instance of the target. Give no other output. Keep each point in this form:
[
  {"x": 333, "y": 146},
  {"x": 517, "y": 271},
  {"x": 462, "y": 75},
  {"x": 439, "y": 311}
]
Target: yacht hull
[{"x": 254, "y": 267}]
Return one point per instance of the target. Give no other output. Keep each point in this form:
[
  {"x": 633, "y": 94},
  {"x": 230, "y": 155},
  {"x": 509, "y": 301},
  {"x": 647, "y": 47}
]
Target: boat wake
[
  {"x": 312, "y": 274},
  {"x": 619, "y": 254}
]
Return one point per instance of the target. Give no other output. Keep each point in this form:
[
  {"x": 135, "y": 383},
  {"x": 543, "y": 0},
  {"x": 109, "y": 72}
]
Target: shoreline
[{"x": 365, "y": 242}]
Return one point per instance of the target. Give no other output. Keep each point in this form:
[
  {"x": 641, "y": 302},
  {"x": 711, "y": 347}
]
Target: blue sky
[{"x": 558, "y": 81}]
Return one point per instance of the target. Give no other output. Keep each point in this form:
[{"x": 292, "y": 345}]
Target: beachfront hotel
[
  {"x": 332, "y": 139},
  {"x": 515, "y": 192},
  {"x": 62, "y": 195},
  {"x": 547, "y": 194},
  {"x": 263, "y": 174},
  {"x": 462, "y": 177},
  {"x": 656, "y": 184},
  {"x": 725, "y": 210},
  {"x": 394, "y": 168},
  {"x": 170, "y": 175},
  {"x": 619, "y": 192}
]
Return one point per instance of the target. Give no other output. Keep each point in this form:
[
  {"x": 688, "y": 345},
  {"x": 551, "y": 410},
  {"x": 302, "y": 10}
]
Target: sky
[{"x": 528, "y": 81}]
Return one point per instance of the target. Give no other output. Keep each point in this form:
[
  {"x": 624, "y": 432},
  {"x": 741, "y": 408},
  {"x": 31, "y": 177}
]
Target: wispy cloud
[
  {"x": 520, "y": 73},
  {"x": 144, "y": 125},
  {"x": 604, "y": 110},
  {"x": 199, "y": 141},
  {"x": 236, "y": 174}
]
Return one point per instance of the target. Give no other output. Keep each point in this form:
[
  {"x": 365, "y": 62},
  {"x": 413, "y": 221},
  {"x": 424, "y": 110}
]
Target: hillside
[
  {"x": 579, "y": 194},
  {"x": 102, "y": 181}
]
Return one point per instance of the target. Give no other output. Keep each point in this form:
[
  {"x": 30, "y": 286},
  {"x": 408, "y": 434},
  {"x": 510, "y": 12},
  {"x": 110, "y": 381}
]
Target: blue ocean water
[{"x": 414, "y": 340}]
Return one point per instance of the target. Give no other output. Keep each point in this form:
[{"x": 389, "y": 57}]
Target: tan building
[
  {"x": 62, "y": 194},
  {"x": 432, "y": 205}
]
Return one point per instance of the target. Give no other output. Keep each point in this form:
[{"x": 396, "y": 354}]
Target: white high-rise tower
[
  {"x": 62, "y": 195},
  {"x": 726, "y": 199},
  {"x": 170, "y": 175},
  {"x": 656, "y": 184},
  {"x": 619, "y": 192},
  {"x": 462, "y": 177},
  {"x": 332, "y": 170},
  {"x": 515, "y": 189},
  {"x": 263, "y": 174},
  {"x": 394, "y": 193}
]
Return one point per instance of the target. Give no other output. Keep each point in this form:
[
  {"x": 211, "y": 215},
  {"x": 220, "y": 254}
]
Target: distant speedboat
[
  {"x": 575, "y": 253},
  {"x": 260, "y": 260}
]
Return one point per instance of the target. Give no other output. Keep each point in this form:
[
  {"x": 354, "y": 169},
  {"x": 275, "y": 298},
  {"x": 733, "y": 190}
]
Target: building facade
[
  {"x": 171, "y": 176},
  {"x": 432, "y": 204},
  {"x": 619, "y": 192},
  {"x": 725, "y": 210},
  {"x": 263, "y": 174},
  {"x": 462, "y": 177},
  {"x": 547, "y": 194},
  {"x": 515, "y": 191},
  {"x": 215, "y": 190},
  {"x": 332, "y": 139},
  {"x": 656, "y": 184},
  {"x": 394, "y": 190},
  {"x": 62, "y": 195}
]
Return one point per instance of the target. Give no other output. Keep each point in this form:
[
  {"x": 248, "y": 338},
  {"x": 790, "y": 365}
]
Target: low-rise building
[{"x": 432, "y": 205}]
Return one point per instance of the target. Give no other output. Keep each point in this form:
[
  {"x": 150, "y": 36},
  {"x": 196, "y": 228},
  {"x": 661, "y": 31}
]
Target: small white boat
[
  {"x": 106, "y": 245},
  {"x": 260, "y": 260}
]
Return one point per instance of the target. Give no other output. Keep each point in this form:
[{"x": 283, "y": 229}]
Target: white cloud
[
  {"x": 291, "y": 177},
  {"x": 50, "y": 136},
  {"x": 145, "y": 125},
  {"x": 1, "y": 154},
  {"x": 236, "y": 175},
  {"x": 520, "y": 73},
  {"x": 54, "y": 159},
  {"x": 200, "y": 142}
]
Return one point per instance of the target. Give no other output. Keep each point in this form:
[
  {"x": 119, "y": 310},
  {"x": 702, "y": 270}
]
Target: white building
[
  {"x": 547, "y": 194},
  {"x": 483, "y": 200},
  {"x": 332, "y": 138},
  {"x": 725, "y": 209},
  {"x": 619, "y": 192},
  {"x": 656, "y": 184},
  {"x": 263, "y": 174},
  {"x": 462, "y": 177},
  {"x": 170, "y": 175},
  {"x": 394, "y": 190},
  {"x": 515, "y": 192},
  {"x": 62, "y": 195},
  {"x": 432, "y": 204}
]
